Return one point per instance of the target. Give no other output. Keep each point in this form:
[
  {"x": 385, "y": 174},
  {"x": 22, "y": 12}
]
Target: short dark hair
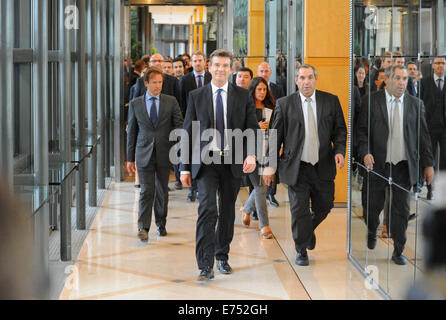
[
  {"x": 146, "y": 59},
  {"x": 139, "y": 65},
  {"x": 381, "y": 70},
  {"x": 221, "y": 53},
  {"x": 150, "y": 71},
  {"x": 411, "y": 62},
  {"x": 185, "y": 54},
  {"x": 179, "y": 59},
  {"x": 244, "y": 69}
]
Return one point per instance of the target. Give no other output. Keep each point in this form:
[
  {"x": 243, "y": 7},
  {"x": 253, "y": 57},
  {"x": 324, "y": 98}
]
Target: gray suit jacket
[
  {"x": 290, "y": 125},
  {"x": 372, "y": 134},
  {"x": 143, "y": 137}
]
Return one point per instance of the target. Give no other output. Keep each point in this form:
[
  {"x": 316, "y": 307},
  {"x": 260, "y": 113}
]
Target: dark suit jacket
[
  {"x": 143, "y": 137},
  {"x": 435, "y": 101},
  {"x": 187, "y": 84},
  {"x": 379, "y": 133},
  {"x": 290, "y": 125},
  {"x": 276, "y": 90},
  {"x": 170, "y": 87},
  {"x": 241, "y": 114}
]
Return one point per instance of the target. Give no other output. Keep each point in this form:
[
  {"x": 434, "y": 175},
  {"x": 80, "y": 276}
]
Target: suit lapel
[
  {"x": 207, "y": 78},
  {"x": 162, "y": 109},
  {"x": 298, "y": 106},
  {"x": 229, "y": 105},
  {"x": 319, "y": 108},
  {"x": 193, "y": 81},
  {"x": 209, "y": 102},
  {"x": 145, "y": 112},
  {"x": 383, "y": 106}
]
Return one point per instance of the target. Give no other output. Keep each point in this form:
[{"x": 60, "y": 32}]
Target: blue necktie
[
  {"x": 200, "y": 83},
  {"x": 153, "y": 113},
  {"x": 220, "y": 119}
]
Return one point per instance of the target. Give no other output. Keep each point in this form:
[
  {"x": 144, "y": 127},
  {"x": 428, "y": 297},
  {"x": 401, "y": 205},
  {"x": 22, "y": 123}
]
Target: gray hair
[
  {"x": 305, "y": 66},
  {"x": 389, "y": 71}
]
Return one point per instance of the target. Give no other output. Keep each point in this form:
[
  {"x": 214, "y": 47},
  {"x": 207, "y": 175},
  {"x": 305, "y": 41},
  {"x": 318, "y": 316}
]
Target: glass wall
[
  {"x": 59, "y": 61},
  {"x": 397, "y": 107}
]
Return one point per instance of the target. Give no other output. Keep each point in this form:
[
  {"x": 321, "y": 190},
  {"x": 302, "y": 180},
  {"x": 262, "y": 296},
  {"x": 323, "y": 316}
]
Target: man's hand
[
  {"x": 429, "y": 174},
  {"x": 339, "y": 159},
  {"x": 268, "y": 176},
  {"x": 250, "y": 164},
  {"x": 263, "y": 125},
  {"x": 186, "y": 180},
  {"x": 369, "y": 161},
  {"x": 131, "y": 168}
]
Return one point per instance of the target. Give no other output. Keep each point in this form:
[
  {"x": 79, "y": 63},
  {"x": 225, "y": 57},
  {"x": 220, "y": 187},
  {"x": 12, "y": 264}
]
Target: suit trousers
[
  {"x": 309, "y": 186},
  {"x": 438, "y": 139},
  {"x": 215, "y": 226},
  {"x": 154, "y": 193},
  {"x": 373, "y": 199}
]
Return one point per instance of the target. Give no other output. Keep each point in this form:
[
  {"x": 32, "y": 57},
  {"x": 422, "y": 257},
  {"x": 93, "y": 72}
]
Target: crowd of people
[{"x": 310, "y": 132}]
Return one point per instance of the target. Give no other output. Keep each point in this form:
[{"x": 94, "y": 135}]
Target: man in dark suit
[
  {"x": 216, "y": 107},
  {"x": 191, "y": 81},
  {"x": 151, "y": 119},
  {"x": 311, "y": 126},
  {"x": 390, "y": 142},
  {"x": 264, "y": 70},
  {"x": 170, "y": 83},
  {"x": 432, "y": 92}
]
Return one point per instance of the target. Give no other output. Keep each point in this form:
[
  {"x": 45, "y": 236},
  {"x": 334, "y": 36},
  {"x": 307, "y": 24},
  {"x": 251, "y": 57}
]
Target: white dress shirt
[
  {"x": 436, "y": 81},
  {"x": 305, "y": 151},
  {"x": 196, "y": 74},
  {"x": 390, "y": 105}
]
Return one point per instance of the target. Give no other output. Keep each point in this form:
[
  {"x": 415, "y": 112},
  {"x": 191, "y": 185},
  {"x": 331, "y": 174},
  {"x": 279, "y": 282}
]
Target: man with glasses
[{"x": 432, "y": 92}]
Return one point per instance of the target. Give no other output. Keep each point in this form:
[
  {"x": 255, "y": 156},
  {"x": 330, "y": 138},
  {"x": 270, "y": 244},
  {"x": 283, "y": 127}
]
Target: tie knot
[
  {"x": 153, "y": 99},
  {"x": 308, "y": 100},
  {"x": 219, "y": 91},
  {"x": 396, "y": 100},
  {"x": 199, "y": 76}
]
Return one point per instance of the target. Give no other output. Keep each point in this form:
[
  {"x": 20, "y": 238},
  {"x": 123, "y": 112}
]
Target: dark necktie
[
  {"x": 439, "y": 84},
  {"x": 200, "y": 83},
  {"x": 220, "y": 119},
  {"x": 153, "y": 113}
]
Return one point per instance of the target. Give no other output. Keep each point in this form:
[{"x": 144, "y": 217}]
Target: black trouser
[
  {"x": 211, "y": 241},
  {"x": 308, "y": 186},
  {"x": 272, "y": 188},
  {"x": 154, "y": 193},
  {"x": 373, "y": 197},
  {"x": 438, "y": 139}
]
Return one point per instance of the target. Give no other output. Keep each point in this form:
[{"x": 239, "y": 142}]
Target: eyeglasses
[
  {"x": 439, "y": 63},
  {"x": 156, "y": 60}
]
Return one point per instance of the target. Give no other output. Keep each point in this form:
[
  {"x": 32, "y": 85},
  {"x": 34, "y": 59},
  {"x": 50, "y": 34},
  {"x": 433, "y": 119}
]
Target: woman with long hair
[
  {"x": 361, "y": 80},
  {"x": 264, "y": 103}
]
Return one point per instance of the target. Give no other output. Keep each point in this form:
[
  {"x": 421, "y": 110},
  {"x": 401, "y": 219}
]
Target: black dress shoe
[
  {"x": 254, "y": 215},
  {"x": 162, "y": 232},
  {"x": 371, "y": 240},
  {"x": 412, "y": 216},
  {"x": 429, "y": 192},
  {"x": 224, "y": 267},
  {"x": 191, "y": 197},
  {"x": 272, "y": 201},
  {"x": 178, "y": 185},
  {"x": 302, "y": 258},
  {"x": 138, "y": 186},
  {"x": 312, "y": 244},
  {"x": 399, "y": 259},
  {"x": 206, "y": 274}
]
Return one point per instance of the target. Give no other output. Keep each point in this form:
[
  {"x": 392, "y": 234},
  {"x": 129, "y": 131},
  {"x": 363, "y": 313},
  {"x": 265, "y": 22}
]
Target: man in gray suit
[
  {"x": 392, "y": 137},
  {"x": 311, "y": 126},
  {"x": 151, "y": 119}
]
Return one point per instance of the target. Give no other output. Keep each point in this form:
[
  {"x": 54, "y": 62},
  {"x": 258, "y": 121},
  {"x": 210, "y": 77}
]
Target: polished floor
[{"x": 114, "y": 264}]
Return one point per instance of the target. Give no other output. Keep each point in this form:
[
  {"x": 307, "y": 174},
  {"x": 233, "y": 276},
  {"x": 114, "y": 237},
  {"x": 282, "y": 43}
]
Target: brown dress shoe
[
  {"x": 143, "y": 235},
  {"x": 246, "y": 218},
  {"x": 266, "y": 232}
]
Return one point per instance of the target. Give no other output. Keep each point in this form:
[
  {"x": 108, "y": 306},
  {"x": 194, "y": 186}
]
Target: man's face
[
  {"x": 178, "y": 69},
  {"x": 156, "y": 61},
  {"x": 167, "y": 68},
  {"x": 413, "y": 70},
  {"x": 264, "y": 71},
  {"x": 399, "y": 61},
  {"x": 306, "y": 82},
  {"x": 438, "y": 66},
  {"x": 220, "y": 70},
  {"x": 155, "y": 84},
  {"x": 243, "y": 79},
  {"x": 380, "y": 80},
  {"x": 186, "y": 60},
  {"x": 198, "y": 63},
  {"x": 387, "y": 63},
  {"x": 397, "y": 83}
]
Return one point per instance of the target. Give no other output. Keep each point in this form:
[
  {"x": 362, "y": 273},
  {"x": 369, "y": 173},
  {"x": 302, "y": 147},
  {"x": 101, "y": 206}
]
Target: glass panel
[{"x": 240, "y": 28}]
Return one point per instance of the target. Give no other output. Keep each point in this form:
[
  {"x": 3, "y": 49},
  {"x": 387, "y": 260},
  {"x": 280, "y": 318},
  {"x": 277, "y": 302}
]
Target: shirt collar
[
  {"x": 148, "y": 96},
  {"x": 391, "y": 98},
  {"x": 437, "y": 77},
  {"x": 215, "y": 88},
  {"x": 196, "y": 74},
  {"x": 303, "y": 98}
]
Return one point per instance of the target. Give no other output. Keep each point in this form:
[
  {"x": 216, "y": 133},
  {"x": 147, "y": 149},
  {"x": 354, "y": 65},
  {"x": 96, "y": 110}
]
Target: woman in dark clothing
[
  {"x": 264, "y": 103},
  {"x": 361, "y": 80}
]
